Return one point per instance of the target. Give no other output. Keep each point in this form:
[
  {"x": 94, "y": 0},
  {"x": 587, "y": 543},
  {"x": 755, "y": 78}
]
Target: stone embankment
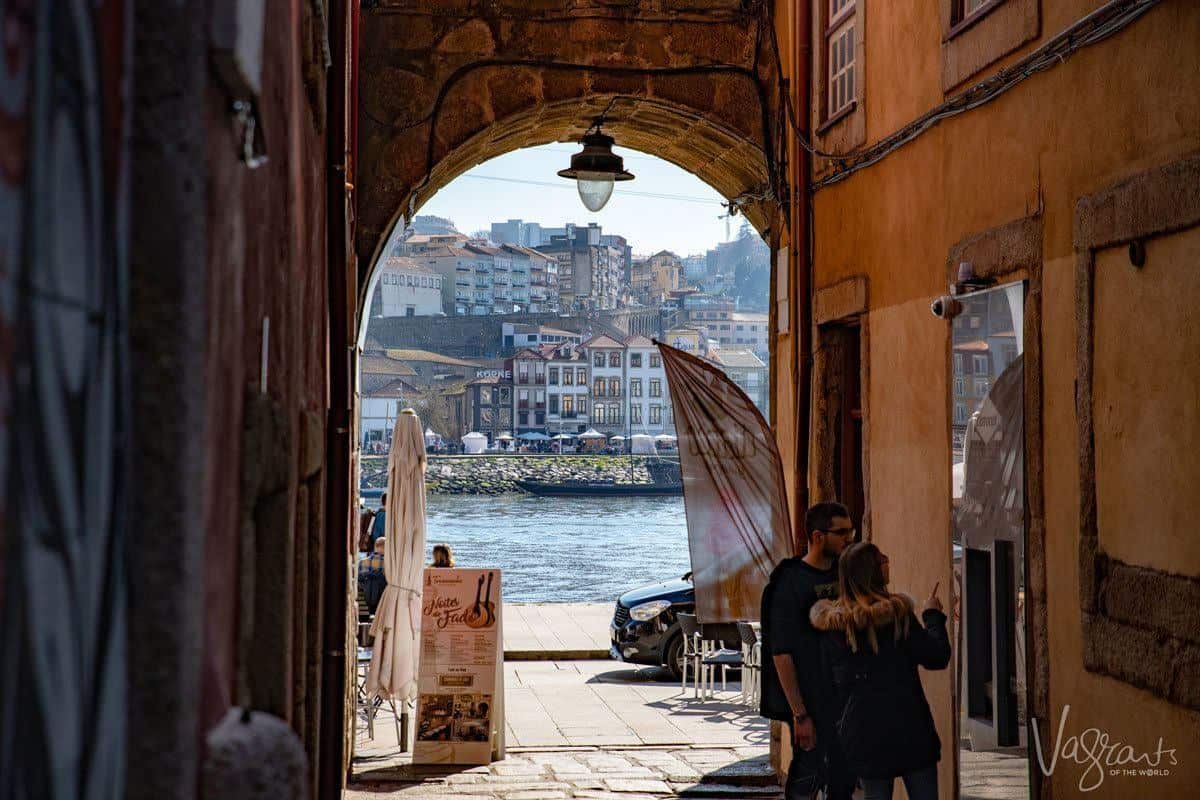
[{"x": 497, "y": 474}]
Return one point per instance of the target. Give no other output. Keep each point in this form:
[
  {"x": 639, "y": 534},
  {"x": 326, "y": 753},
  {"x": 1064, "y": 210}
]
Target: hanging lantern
[{"x": 594, "y": 169}]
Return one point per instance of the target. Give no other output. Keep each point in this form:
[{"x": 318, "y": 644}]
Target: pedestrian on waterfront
[
  {"x": 872, "y": 645},
  {"x": 379, "y": 525},
  {"x": 371, "y": 577},
  {"x": 365, "y": 523},
  {"x": 443, "y": 556},
  {"x": 796, "y": 688}
]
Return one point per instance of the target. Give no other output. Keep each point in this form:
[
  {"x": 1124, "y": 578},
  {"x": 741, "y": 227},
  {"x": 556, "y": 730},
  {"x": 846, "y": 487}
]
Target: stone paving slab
[
  {"x": 541, "y": 631},
  {"x": 578, "y": 774}
]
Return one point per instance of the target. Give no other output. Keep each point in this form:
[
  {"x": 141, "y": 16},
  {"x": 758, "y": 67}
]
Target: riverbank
[{"x": 498, "y": 474}]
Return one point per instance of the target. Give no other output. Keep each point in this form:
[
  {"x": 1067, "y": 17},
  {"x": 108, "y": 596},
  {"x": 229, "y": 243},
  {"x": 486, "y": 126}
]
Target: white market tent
[
  {"x": 474, "y": 442},
  {"x": 563, "y": 436},
  {"x": 617, "y": 438},
  {"x": 431, "y": 438},
  {"x": 592, "y": 433},
  {"x": 641, "y": 444},
  {"x": 664, "y": 437},
  {"x": 504, "y": 437},
  {"x": 534, "y": 436}
]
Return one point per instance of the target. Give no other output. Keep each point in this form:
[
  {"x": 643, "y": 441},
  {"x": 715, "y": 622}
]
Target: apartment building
[
  {"x": 466, "y": 278},
  {"x": 567, "y": 389},
  {"x": 648, "y": 401},
  {"x": 406, "y": 288},
  {"x": 529, "y": 391}
]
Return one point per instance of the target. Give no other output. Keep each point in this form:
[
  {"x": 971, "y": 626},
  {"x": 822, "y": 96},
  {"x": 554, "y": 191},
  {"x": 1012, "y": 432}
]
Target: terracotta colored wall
[{"x": 1108, "y": 112}]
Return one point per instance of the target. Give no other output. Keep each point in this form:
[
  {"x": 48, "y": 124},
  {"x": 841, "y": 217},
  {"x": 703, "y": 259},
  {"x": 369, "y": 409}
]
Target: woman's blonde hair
[
  {"x": 862, "y": 590},
  {"x": 443, "y": 556}
]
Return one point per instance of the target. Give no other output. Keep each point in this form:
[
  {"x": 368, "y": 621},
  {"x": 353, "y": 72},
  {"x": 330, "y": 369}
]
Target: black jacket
[
  {"x": 786, "y": 602},
  {"x": 882, "y": 717}
]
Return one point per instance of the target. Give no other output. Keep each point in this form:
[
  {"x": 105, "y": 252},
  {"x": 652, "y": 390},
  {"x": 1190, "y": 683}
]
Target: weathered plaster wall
[{"x": 1108, "y": 112}]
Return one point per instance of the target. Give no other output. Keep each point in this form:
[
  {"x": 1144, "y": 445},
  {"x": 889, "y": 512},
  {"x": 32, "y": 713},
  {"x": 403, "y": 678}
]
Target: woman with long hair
[
  {"x": 443, "y": 556},
  {"x": 872, "y": 645}
]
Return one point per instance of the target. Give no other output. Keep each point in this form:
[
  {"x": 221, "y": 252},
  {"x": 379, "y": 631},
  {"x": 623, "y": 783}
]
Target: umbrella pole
[{"x": 404, "y": 726}]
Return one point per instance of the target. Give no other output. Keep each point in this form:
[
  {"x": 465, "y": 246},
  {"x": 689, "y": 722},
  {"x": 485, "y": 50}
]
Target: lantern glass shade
[
  {"x": 594, "y": 169},
  {"x": 594, "y": 189}
]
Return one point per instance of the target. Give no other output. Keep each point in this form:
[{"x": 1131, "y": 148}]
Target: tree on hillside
[
  {"x": 750, "y": 260},
  {"x": 434, "y": 410}
]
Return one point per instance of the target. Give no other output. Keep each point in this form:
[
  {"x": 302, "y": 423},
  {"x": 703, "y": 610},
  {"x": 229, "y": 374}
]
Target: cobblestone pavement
[
  {"x": 589, "y": 773},
  {"x": 993, "y": 776}
]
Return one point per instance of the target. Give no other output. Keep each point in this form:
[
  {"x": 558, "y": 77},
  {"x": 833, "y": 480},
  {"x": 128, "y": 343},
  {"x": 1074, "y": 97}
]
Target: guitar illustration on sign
[
  {"x": 476, "y": 613},
  {"x": 483, "y": 614}
]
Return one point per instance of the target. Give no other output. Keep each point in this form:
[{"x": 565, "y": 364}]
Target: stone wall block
[
  {"x": 397, "y": 96},
  {"x": 610, "y": 83},
  {"x": 266, "y": 447},
  {"x": 1185, "y": 685},
  {"x": 709, "y": 44},
  {"x": 1135, "y": 655},
  {"x": 299, "y": 598},
  {"x": 400, "y": 166},
  {"x": 466, "y": 110},
  {"x": 312, "y": 443},
  {"x": 314, "y": 605},
  {"x": 1152, "y": 599},
  {"x": 473, "y": 38},
  {"x": 514, "y": 91},
  {"x": 599, "y": 35},
  {"x": 740, "y": 107},
  {"x": 270, "y": 667},
  {"x": 695, "y": 91}
]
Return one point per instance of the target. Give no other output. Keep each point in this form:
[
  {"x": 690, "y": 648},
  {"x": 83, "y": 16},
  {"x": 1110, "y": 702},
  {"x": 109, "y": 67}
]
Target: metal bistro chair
[
  {"x": 691, "y": 652},
  {"x": 715, "y": 654},
  {"x": 752, "y": 669}
]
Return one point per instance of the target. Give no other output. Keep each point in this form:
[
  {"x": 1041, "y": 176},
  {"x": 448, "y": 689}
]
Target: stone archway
[{"x": 448, "y": 85}]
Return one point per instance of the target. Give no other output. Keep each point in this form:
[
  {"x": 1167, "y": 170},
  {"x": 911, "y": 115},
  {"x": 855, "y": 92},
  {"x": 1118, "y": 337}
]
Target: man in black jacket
[{"x": 795, "y": 689}]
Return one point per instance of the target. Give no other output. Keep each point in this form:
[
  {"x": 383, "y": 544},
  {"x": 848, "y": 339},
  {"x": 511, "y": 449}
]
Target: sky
[{"x": 685, "y": 216}]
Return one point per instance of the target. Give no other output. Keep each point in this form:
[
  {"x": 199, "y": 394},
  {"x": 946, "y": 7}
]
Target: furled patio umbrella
[{"x": 393, "y": 671}]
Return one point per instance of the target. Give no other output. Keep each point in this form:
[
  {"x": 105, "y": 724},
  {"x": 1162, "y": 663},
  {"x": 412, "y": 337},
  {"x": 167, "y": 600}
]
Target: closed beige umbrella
[{"x": 397, "y": 624}]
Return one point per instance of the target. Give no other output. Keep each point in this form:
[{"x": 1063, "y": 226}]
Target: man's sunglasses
[{"x": 840, "y": 531}]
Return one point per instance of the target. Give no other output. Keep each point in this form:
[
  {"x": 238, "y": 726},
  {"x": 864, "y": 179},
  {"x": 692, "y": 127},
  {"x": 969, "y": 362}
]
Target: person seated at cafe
[
  {"x": 371, "y": 578},
  {"x": 443, "y": 556}
]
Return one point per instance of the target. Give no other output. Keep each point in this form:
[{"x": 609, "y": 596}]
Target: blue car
[{"x": 645, "y": 624}]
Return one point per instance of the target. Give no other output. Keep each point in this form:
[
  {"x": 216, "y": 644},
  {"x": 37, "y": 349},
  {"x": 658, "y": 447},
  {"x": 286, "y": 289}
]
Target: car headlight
[{"x": 648, "y": 611}]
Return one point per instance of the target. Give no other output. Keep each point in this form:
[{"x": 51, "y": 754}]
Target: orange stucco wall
[{"x": 1110, "y": 111}]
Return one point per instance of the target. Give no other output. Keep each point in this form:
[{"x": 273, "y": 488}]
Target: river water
[{"x": 564, "y": 549}]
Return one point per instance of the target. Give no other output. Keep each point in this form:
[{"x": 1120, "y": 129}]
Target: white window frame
[{"x": 841, "y": 57}]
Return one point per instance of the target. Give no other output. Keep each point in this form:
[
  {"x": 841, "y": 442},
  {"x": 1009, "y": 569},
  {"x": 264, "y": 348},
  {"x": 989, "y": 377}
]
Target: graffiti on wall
[{"x": 64, "y": 111}]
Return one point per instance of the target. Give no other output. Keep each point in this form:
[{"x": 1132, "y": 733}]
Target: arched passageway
[{"x": 693, "y": 82}]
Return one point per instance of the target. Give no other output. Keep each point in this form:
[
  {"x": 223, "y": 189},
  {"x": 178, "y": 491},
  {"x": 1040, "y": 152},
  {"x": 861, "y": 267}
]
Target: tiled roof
[
  {"x": 638, "y": 340},
  {"x": 385, "y": 386},
  {"x": 428, "y": 357},
  {"x": 407, "y": 264},
  {"x": 603, "y": 341},
  {"x": 382, "y": 365},
  {"x": 735, "y": 357}
]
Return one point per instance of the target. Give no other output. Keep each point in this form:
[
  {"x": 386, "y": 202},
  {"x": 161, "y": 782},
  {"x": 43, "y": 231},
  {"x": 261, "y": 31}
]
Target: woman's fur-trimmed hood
[{"x": 850, "y": 618}]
